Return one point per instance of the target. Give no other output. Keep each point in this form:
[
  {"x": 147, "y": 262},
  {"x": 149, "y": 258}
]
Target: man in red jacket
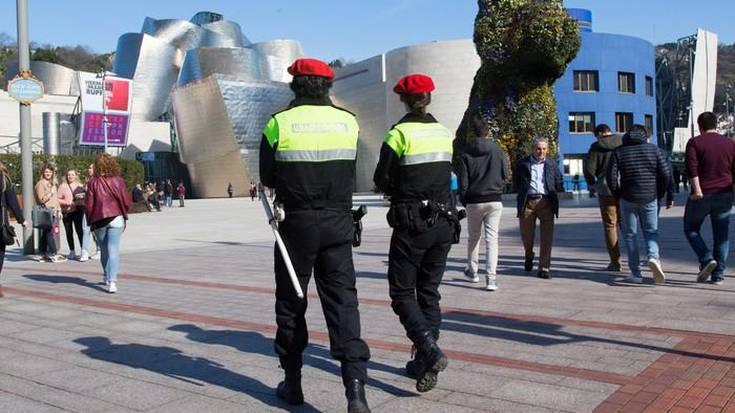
[{"x": 710, "y": 164}]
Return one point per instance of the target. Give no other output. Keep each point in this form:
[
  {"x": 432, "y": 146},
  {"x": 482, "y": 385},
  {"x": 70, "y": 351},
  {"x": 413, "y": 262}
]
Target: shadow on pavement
[
  {"x": 171, "y": 362},
  {"x": 316, "y": 356},
  {"x": 542, "y": 334},
  {"x": 62, "y": 279}
]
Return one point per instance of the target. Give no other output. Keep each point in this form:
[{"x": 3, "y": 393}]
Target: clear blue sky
[{"x": 352, "y": 29}]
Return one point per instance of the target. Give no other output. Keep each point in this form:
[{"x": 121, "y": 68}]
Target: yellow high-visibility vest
[{"x": 418, "y": 143}]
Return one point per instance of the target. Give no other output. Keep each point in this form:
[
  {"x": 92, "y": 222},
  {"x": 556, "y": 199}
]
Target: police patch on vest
[{"x": 320, "y": 127}]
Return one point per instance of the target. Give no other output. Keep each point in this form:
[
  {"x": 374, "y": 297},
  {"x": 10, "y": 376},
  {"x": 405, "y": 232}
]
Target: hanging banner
[{"x": 117, "y": 101}]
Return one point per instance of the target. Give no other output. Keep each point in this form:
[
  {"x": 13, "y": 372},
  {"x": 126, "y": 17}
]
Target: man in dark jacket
[
  {"x": 595, "y": 168},
  {"x": 537, "y": 180},
  {"x": 638, "y": 175},
  {"x": 483, "y": 170}
]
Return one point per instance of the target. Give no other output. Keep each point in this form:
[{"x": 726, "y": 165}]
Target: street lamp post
[{"x": 26, "y": 156}]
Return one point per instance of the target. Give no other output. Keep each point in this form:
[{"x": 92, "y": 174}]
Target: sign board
[
  {"x": 25, "y": 88},
  {"x": 117, "y": 102}
]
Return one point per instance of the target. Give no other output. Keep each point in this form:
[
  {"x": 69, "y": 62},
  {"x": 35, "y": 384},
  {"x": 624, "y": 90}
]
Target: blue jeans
[
  {"x": 169, "y": 201},
  {"x": 647, "y": 214},
  {"x": 108, "y": 240},
  {"x": 86, "y": 235},
  {"x": 717, "y": 206}
]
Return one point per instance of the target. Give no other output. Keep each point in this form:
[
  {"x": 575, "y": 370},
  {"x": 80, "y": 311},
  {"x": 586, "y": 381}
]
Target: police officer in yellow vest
[
  {"x": 308, "y": 155},
  {"x": 415, "y": 171}
]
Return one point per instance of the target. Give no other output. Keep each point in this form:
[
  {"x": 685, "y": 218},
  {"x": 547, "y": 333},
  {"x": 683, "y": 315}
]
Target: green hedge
[{"x": 132, "y": 170}]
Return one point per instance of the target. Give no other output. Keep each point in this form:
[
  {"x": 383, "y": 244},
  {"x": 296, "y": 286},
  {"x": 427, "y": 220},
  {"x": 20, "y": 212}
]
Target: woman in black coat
[{"x": 8, "y": 201}]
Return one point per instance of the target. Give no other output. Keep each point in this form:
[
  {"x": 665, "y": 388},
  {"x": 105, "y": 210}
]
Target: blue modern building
[{"x": 611, "y": 81}]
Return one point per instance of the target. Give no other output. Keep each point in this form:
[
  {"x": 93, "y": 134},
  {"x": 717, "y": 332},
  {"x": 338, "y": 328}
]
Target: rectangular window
[
  {"x": 649, "y": 123},
  {"x": 649, "y": 86},
  {"x": 581, "y": 122},
  {"x": 626, "y": 82},
  {"x": 623, "y": 121},
  {"x": 586, "y": 81}
]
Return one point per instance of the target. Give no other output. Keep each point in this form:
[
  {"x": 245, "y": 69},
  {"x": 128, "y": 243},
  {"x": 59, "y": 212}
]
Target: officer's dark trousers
[
  {"x": 415, "y": 269},
  {"x": 320, "y": 240}
]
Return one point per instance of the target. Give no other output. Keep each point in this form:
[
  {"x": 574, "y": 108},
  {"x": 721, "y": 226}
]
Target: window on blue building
[
  {"x": 623, "y": 121},
  {"x": 649, "y": 123},
  {"x": 581, "y": 122},
  {"x": 649, "y": 86},
  {"x": 626, "y": 82},
  {"x": 586, "y": 81}
]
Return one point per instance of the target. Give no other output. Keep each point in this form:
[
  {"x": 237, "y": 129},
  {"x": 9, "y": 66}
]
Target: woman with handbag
[
  {"x": 71, "y": 200},
  {"x": 107, "y": 202},
  {"x": 8, "y": 200},
  {"x": 46, "y": 197}
]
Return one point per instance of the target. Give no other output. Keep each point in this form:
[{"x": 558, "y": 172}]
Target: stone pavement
[{"x": 191, "y": 328}]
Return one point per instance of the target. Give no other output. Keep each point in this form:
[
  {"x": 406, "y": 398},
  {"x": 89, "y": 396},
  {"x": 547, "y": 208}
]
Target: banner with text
[{"x": 117, "y": 102}]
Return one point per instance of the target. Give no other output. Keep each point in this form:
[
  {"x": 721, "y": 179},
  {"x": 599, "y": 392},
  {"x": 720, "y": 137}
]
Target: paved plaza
[{"x": 191, "y": 328}]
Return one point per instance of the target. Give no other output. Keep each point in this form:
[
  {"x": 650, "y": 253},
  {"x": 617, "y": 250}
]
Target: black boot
[
  {"x": 355, "y": 393},
  {"x": 429, "y": 361},
  {"x": 290, "y": 389},
  {"x": 412, "y": 366}
]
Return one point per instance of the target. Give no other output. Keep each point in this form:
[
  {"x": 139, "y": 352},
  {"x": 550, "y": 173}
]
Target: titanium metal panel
[
  {"x": 219, "y": 117},
  {"x": 154, "y": 73},
  {"x": 200, "y": 63},
  {"x": 57, "y": 79},
  {"x": 278, "y": 56},
  {"x": 223, "y": 34},
  {"x": 182, "y": 34}
]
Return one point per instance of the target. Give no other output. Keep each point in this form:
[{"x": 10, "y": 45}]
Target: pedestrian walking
[
  {"x": 169, "y": 193},
  {"x": 71, "y": 201},
  {"x": 595, "y": 170},
  {"x": 575, "y": 183},
  {"x": 181, "y": 192},
  {"x": 710, "y": 164},
  {"x": 483, "y": 171},
  {"x": 107, "y": 203},
  {"x": 538, "y": 180},
  {"x": 9, "y": 201},
  {"x": 308, "y": 153},
  {"x": 88, "y": 234},
  {"x": 230, "y": 190},
  {"x": 638, "y": 175},
  {"x": 46, "y": 193},
  {"x": 253, "y": 191},
  {"x": 414, "y": 169}
]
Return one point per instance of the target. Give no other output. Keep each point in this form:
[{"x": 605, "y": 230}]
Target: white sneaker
[
  {"x": 635, "y": 279},
  {"x": 112, "y": 287},
  {"x": 471, "y": 276},
  {"x": 706, "y": 270},
  {"x": 490, "y": 284},
  {"x": 658, "y": 274},
  {"x": 84, "y": 257}
]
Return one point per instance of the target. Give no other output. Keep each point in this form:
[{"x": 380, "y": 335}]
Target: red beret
[
  {"x": 311, "y": 67},
  {"x": 414, "y": 84}
]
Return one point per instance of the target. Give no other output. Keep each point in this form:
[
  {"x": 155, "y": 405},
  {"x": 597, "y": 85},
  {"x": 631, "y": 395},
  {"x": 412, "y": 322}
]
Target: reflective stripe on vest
[
  {"x": 418, "y": 143},
  {"x": 311, "y": 133}
]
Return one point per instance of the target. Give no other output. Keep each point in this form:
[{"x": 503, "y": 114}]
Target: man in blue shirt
[{"x": 537, "y": 180}]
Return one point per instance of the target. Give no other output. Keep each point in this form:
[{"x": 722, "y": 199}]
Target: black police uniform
[
  {"x": 422, "y": 231},
  {"x": 318, "y": 229}
]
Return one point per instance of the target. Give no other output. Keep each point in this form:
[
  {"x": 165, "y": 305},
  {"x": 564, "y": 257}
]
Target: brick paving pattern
[{"x": 191, "y": 328}]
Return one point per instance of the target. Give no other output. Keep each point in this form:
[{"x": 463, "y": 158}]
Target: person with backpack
[{"x": 595, "y": 168}]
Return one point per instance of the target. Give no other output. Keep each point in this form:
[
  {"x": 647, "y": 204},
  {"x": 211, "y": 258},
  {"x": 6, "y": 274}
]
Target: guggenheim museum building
[{"x": 215, "y": 91}]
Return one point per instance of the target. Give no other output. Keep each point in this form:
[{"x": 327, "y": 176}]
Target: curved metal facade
[
  {"x": 246, "y": 64},
  {"x": 57, "y": 79},
  {"x": 278, "y": 56},
  {"x": 219, "y": 122}
]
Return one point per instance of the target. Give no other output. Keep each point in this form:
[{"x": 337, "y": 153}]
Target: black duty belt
[{"x": 535, "y": 196}]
